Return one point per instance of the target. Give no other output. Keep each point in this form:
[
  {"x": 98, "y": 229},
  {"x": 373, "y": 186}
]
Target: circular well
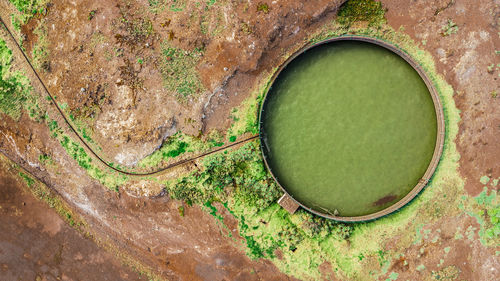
[{"x": 352, "y": 129}]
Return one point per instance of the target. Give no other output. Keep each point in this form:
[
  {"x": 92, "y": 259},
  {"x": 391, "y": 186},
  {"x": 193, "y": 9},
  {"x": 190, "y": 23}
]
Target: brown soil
[
  {"x": 450, "y": 248},
  {"x": 105, "y": 86},
  {"x": 442, "y": 255},
  {"x": 124, "y": 96},
  {"x": 36, "y": 244},
  {"x": 463, "y": 58}
]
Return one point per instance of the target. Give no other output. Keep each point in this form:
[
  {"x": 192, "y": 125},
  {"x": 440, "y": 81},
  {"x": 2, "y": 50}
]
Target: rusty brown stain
[{"x": 384, "y": 200}]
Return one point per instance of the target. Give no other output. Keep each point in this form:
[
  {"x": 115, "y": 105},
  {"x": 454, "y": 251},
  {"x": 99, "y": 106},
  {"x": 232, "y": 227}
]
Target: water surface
[{"x": 349, "y": 126}]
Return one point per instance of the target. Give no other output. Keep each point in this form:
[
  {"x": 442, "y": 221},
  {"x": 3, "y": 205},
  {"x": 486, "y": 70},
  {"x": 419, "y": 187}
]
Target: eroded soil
[
  {"x": 94, "y": 64},
  {"x": 114, "y": 82},
  {"x": 36, "y": 244},
  {"x": 463, "y": 59}
]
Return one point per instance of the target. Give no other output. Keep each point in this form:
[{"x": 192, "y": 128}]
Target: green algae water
[{"x": 348, "y": 127}]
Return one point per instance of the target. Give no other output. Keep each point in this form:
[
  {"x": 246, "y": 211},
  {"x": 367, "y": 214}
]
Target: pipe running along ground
[{"x": 86, "y": 145}]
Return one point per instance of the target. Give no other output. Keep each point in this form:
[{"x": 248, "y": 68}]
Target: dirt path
[{"x": 36, "y": 244}]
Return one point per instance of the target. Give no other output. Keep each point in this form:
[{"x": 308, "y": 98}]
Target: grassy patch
[
  {"x": 27, "y": 9},
  {"x": 27, "y": 179},
  {"x": 108, "y": 177},
  {"x": 80, "y": 120},
  {"x": 449, "y": 28},
  {"x": 370, "y": 11},
  {"x": 263, "y": 7},
  {"x": 179, "y": 144},
  {"x": 241, "y": 170},
  {"x": 177, "y": 5},
  {"x": 46, "y": 160},
  {"x": 158, "y": 6},
  {"x": 245, "y": 117},
  {"x": 137, "y": 26},
  {"x": 241, "y": 183},
  {"x": 97, "y": 39},
  {"x": 485, "y": 208},
  {"x": 179, "y": 72},
  {"x": 40, "y": 52},
  {"x": 16, "y": 91}
]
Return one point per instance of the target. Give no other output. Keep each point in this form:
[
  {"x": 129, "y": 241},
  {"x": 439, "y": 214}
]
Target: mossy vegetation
[
  {"x": 179, "y": 73},
  {"x": 485, "y": 208},
  {"x": 245, "y": 117},
  {"x": 175, "y": 145},
  {"x": 263, "y": 7},
  {"x": 241, "y": 171},
  {"x": 449, "y": 28},
  {"x": 81, "y": 120},
  {"x": 28, "y": 10},
  {"x": 106, "y": 176},
  {"x": 27, "y": 179},
  {"x": 179, "y": 144},
  {"x": 83, "y": 117},
  {"x": 40, "y": 51},
  {"x": 16, "y": 92},
  {"x": 240, "y": 181},
  {"x": 31, "y": 7},
  {"x": 46, "y": 160},
  {"x": 370, "y": 11},
  {"x": 139, "y": 28}
]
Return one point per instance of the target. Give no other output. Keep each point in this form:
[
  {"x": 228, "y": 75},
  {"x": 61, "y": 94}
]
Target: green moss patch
[
  {"x": 27, "y": 9},
  {"x": 245, "y": 117},
  {"x": 370, "y": 11},
  {"x": 178, "y": 68},
  {"x": 179, "y": 144},
  {"x": 107, "y": 177},
  {"x": 16, "y": 92}
]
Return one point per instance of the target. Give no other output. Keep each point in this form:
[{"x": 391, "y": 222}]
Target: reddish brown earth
[
  {"x": 120, "y": 95},
  {"x": 447, "y": 257},
  {"x": 451, "y": 249},
  {"x": 463, "y": 59},
  {"x": 196, "y": 247},
  {"x": 36, "y": 244}
]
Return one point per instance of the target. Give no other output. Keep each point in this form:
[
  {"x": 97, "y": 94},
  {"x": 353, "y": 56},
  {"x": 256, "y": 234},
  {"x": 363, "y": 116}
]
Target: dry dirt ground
[
  {"x": 95, "y": 64},
  {"x": 106, "y": 77},
  {"x": 36, "y": 244},
  {"x": 463, "y": 59}
]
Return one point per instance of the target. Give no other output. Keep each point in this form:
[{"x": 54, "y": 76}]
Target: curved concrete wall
[{"x": 438, "y": 149}]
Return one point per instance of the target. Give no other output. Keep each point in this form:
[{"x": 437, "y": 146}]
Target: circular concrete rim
[{"x": 438, "y": 148}]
